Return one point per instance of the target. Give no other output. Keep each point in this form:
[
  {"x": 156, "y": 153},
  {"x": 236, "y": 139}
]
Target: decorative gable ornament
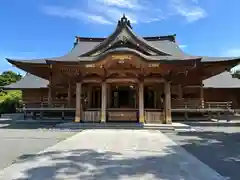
[{"x": 124, "y": 21}]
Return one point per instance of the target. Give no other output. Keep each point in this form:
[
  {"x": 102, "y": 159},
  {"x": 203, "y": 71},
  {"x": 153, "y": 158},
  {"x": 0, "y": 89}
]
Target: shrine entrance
[
  {"x": 123, "y": 96},
  {"x": 122, "y": 104}
]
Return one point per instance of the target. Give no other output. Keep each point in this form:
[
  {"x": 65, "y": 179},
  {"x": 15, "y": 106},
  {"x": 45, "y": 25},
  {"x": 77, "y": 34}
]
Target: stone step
[
  {"x": 13, "y": 116},
  {"x": 73, "y": 125}
]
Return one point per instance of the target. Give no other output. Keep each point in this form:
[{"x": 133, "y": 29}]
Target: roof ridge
[{"x": 171, "y": 37}]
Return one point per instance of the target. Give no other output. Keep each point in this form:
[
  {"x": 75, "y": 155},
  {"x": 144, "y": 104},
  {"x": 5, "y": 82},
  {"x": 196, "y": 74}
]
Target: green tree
[
  {"x": 8, "y": 77},
  {"x": 9, "y": 100}
]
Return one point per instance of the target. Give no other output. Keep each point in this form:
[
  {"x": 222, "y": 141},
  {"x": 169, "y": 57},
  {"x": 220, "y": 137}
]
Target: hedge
[{"x": 11, "y": 104}]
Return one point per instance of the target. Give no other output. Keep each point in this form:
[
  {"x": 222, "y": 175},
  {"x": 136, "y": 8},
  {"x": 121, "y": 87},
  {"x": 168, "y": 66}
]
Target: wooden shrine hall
[{"x": 121, "y": 78}]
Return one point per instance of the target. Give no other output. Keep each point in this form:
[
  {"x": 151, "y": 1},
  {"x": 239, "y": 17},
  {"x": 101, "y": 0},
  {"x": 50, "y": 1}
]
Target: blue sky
[{"x": 44, "y": 28}]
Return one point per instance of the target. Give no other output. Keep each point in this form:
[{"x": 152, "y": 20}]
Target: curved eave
[
  {"x": 146, "y": 43},
  {"x": 104, "y": 43},
  {"x": 216, "y": 65},
  {"x": 37, "y": 67},
  {"x": 209, "y": 60},
  {"x": 16, "y": 61},
  {"x": 160, "y": 59}
]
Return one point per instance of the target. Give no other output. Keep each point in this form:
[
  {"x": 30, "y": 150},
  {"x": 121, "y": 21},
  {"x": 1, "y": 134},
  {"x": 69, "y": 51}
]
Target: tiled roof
[
  {"x": 223, "y": 80},
  {"x": 29, "y": 81}
]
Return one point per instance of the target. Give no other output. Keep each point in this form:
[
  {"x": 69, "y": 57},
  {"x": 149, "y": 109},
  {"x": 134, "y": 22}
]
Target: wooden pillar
[
  {"x": 141, "y": 102},
  {"x": 167, "y": 92},
  {"x": 202, "y": 95},
  {"x": 180, "y": 91},
  {"x": 89, "y": 97},
  {"x": 69, "y": 93},
  {"x": 104, "y": 102},
  {"x": 78, "y": 102},
  {"x": 50, "y": 88}
]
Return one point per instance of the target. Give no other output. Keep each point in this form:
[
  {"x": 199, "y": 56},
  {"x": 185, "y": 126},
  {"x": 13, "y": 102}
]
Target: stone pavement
[{"x": 112, "y": 154}]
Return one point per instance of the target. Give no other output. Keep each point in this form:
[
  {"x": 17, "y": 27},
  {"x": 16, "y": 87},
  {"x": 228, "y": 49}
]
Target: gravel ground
[
  {"x": 215, "y": 144},
  {"x": 19, "y": 139}
]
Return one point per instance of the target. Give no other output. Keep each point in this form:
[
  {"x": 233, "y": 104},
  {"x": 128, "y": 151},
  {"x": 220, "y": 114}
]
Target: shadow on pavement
[
  {"x": 87, "y": 164},
  {"x": 219, "y": 150},
  {"x": 214, "y": 124}
]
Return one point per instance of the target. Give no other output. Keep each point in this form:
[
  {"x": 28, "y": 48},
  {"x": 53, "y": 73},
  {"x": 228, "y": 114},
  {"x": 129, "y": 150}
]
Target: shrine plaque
[
  {"x": 90, "y": 65},
  {"x": 155, "y": 65},
  {"x": 65, "y": 69},
  {"x": 121, "y": 57}
]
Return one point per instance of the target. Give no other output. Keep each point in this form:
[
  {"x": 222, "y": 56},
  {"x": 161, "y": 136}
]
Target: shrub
[{"x": 11, "y": 104}]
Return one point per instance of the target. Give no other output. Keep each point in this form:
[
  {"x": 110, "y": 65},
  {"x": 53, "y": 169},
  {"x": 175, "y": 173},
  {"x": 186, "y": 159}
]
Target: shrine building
[{"x": 121, "y": 78}]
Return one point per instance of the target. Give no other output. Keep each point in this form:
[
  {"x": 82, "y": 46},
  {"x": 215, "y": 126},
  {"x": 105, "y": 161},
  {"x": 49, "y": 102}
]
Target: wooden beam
[
  {"x": 92, "y": 80},
  {"x": 153, "y": 80},
  {"x": 192, "y": 86},
  {"x": 122, "y": 80}
]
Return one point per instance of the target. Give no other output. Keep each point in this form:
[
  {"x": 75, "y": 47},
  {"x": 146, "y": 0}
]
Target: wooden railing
[
  {"x": 198, "y": 104},
  {"x": 44, "y": 104},
  {"x": 187, "y": 104},
  {"x": 218, "y": 105},
  {"x": 124, "y": 114},
  {"x": 91, "y": 116},
  {"x": 154, "y": 116}
]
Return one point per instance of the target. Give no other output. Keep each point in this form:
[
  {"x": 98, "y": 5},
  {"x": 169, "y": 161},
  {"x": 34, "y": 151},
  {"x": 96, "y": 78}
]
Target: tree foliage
[
  {"x": 10, "y": 100},
  {"x": 8, "y": 77}
]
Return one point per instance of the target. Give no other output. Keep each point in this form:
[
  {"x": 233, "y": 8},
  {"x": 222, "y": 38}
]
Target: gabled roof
[
  {"x": 85, "y": 48},
  {"x": 223, "y": 80},
  {"x": 161, "y": 49},
  {"x": 29, "y": 81},
  {"x": 84, "y": 45},
  {"x": 123, "y": 34}
]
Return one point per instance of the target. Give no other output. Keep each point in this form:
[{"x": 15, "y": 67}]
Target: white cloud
[
  {"x": 74, "y": 14},
  {"x": 98, "y": 19},
  {"x": 191, "y": 11},
  {"x": 137, "y": 11},
  {"x": 131, "y": 4},
  {"x": 114, "y": 14}
]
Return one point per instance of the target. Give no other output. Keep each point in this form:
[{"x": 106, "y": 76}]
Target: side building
[{"x": 124, "y": 77}]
